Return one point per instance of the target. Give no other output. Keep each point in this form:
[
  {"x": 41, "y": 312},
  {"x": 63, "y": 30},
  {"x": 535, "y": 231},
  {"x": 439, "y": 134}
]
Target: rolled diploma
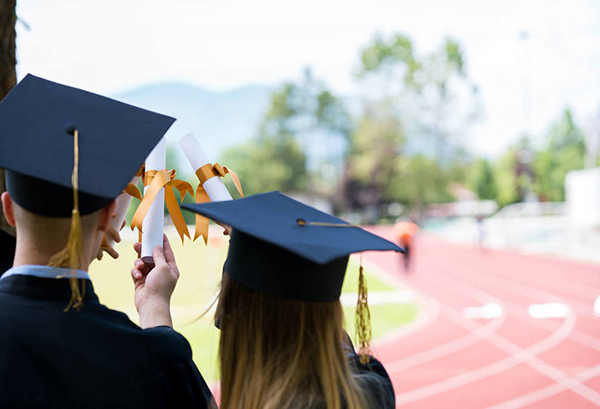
[
  {"x": 122, "y": 205},
  {"x": 214, "y": 186},
  {"x": 154, "y": 221}
]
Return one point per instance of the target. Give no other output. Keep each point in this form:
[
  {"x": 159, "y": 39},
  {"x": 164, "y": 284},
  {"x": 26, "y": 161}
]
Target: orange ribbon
[
  {"x": 204, "y": 173},
  {"x": 156, "y": 180}
]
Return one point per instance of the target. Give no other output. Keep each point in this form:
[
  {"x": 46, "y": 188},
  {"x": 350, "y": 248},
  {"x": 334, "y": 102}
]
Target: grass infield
[{"x": 200, "y": 269}]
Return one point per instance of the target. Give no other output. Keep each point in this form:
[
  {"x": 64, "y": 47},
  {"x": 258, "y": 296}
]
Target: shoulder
[
  {"x": 170, "y": 342},
  {"x": 375, "y": 382},
  {"x": 161, "y": 341}
]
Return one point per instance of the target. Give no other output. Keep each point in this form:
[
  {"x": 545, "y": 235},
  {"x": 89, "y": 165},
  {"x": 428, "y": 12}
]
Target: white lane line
[
  {"x": 548, "y": 310},
  {"x": 535, "y": 363},
  {"x": 428, "y": 311},
  {"x": 446, "y": 348},
  {"x": 554, "y": 389},
  {"x": 577, "y": 336},
  {"x": 486, "y": 312},
  {"x": 439, "y": 351},
  {"x": 518, "y": 356},
  {"x": 404, "y": 296},
  {"x": 597, "y": 307},
  {"x": 539, "y": 365}
]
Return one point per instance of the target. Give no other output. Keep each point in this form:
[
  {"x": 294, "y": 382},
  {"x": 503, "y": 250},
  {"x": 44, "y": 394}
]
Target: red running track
[{"x": 509, "y": 360}]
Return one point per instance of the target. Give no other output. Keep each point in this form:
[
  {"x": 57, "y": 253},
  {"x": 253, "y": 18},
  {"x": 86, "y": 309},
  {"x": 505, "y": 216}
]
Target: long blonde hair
[{"x": 282, "y": 354}]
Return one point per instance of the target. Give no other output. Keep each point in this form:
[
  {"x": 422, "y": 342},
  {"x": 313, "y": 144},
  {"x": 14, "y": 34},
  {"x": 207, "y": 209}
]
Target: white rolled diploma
[
  {"x": 153, "y": 225},
  {"x": 122, "y": 205},
  {"x": 214, "y": 186}
]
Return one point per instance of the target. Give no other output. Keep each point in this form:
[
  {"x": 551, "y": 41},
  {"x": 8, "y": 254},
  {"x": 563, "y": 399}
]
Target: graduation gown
[
  {"x": 94, "y": 358},
  {"x": 7, "y": 250},
  {"x": 376, "y": 382},
  {"x": 373, "y": 378}
]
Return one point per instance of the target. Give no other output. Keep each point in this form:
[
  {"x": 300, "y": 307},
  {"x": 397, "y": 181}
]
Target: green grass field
[{"x": 200, "y": 269}]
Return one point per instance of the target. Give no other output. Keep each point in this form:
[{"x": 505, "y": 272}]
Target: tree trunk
[{"x": 8, "y": 72}]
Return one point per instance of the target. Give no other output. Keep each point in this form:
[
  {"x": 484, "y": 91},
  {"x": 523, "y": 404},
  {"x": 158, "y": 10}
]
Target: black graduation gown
[
  {"x": 376, "y": 382},
  {"x": 7, "y": 250},
  {"x": 373, "y": 377},
  {"x": 94, "y": 358}
]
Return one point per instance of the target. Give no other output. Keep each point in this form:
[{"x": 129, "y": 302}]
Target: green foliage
[
  {"x": 432, "y": 82},
  {"x": 565, "y": 152},
  {"x": 269, "y": 163},
  {"x": 275, "y": 159},
  {"x": 375, "y": 147},
  {"x": 483, "y": 180},
  {"x": 506, "y": 177},
  {"x": 420, "y": 181},
  {"x": 381, "y": 54}
]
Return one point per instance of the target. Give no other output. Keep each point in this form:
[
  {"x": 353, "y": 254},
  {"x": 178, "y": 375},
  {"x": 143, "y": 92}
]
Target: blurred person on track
[{"x": 404, "y": 231}]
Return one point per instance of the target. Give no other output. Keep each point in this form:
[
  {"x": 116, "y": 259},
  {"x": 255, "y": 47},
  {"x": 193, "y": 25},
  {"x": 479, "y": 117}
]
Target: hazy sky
[{"x": 110, "y": 45}]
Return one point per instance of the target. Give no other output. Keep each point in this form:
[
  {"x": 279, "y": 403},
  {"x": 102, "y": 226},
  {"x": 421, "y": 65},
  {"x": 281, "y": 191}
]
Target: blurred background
[
  {"x": 431, "y": 109},
  {"x": 479, "y": 121}
]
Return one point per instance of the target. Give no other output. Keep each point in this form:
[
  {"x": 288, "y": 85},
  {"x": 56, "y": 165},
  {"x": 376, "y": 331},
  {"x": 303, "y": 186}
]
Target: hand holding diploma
[{"x": 154, "y": 285}]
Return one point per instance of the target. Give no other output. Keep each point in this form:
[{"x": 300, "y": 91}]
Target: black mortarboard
[
  {"x": 37, "y": 121},
  {"x": 287, "y": 249}
]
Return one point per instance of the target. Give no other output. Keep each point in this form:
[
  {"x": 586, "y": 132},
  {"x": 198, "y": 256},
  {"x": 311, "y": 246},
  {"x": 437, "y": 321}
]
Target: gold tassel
[
  {"x": 70, "y": 256},
  {"x": 362, "y": 318}
]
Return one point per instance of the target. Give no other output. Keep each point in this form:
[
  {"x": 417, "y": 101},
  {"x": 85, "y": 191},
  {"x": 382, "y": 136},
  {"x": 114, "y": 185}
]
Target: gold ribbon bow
[
  {"x": 156, "y": 180},
  {"x": 204, "y": 173}
]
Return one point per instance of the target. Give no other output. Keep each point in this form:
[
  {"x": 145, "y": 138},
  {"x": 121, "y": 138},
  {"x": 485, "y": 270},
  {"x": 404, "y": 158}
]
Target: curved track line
[
  {"x": 517, "y": 357},
  {"x": 532, "y": 360},
  {"x": 549, "y": 391},
  {"x": 429, "y": 308},
  {"x": 447, "y": 348}
]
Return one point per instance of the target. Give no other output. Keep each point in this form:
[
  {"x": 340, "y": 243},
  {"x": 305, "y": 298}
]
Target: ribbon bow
[
  {"x": 204, "y": 173},
  {"x": 156, "y": 180}
]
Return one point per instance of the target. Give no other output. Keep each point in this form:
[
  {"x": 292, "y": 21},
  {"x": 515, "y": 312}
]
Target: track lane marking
[
  {"x": 534, "y": 362},
  {"x": 525, "y": 355}
]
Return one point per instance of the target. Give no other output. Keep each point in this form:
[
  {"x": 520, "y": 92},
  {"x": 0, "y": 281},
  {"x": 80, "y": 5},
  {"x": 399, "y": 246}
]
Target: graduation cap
[
  {"x": 38, "y": 120},
  {"x": 287, "y": 249},
  {"x": 69, "y": 152}
]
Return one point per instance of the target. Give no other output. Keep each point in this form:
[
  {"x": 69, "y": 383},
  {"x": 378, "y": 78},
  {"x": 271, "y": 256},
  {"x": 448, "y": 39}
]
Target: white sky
[{"x": 108, "y": 46}]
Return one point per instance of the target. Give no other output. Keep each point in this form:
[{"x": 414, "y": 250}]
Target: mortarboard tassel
[
  {"x": 70, "y": 256},
  {"x": 362, "y": 318}
]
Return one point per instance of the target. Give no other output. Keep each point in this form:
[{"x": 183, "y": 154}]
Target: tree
[
  {"x": 8, "y": 63},
  {"x": 565, "y": 151},
  {"x": 483, "y": 180},
  {"x": 434, "y": 90},
  {"x": 419, "y": 181},
  {"x": 269, "y": 163},
  {"x": 374, "y": 149},
  {"x": 299, "y": 113}
]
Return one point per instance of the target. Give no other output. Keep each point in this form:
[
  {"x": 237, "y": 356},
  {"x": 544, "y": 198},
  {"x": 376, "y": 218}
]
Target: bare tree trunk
[{"x": 8, "y": 72}]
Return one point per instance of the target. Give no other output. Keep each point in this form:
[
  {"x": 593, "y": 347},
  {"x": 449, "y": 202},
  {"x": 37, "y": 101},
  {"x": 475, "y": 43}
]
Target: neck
[{"x": 28, "y": 253}]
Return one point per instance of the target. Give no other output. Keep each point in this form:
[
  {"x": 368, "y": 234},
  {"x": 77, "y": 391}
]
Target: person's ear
[
  {"x": 106, "y": 216},
  {"x": 8, "y": 209}
]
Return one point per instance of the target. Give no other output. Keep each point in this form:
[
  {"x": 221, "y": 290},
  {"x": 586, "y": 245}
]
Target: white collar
[{"x": 43, "y": 272}]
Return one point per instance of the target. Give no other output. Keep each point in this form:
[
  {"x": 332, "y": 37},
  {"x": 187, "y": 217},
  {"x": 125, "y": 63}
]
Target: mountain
[{"x": 219, "y": 119}]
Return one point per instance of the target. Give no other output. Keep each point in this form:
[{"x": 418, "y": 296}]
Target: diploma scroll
[
  {"x": 154, "y": 221},
  {"x": 214, "y": 186},
  {"x": 211, "y": 187}
]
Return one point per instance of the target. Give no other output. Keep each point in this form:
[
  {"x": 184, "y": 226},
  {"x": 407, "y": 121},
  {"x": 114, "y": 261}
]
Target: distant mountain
[{"x": 219, "y": 119}]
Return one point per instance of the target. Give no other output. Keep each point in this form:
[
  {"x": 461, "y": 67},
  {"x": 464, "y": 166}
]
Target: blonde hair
[{"x": 282, "y": 354}]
